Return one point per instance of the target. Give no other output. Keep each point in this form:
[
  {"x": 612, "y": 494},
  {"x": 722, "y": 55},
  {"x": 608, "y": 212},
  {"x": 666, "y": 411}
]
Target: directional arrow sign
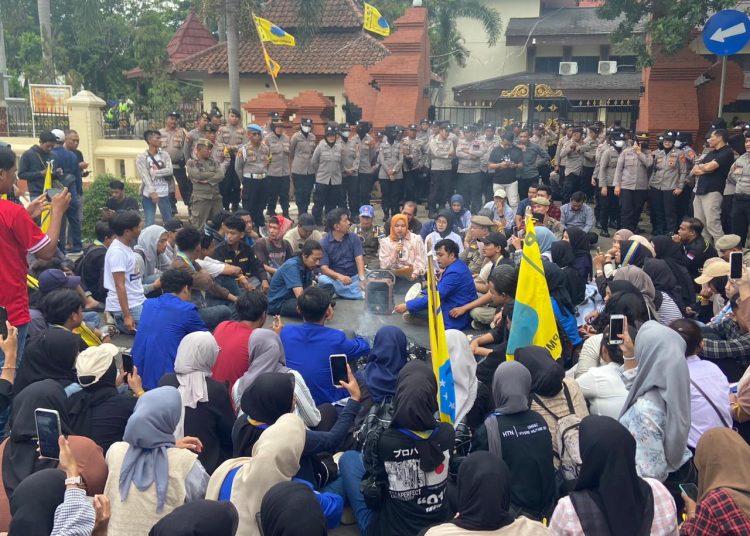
[{"x": 727, "y": 32}]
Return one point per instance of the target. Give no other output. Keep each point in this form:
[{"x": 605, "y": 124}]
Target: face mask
[
  {"x": 345, "y": 134},
  {"x": 391, "y": 139},
  {"x": 678, "y": 143},
  {"x": 305, "y": 129},
  {"x": 362, "y": 132},
  {"x": 620, "y": 144},
  {"x": 538, "y": 216}
]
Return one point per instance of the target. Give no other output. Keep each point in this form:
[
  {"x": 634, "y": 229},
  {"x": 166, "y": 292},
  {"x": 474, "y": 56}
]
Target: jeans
[
  {"x": 92, "y": 319},
  {"x": 135, "y": 312},
  {"x": 351, "y": 471},
  {"x": 351, "y": 291},
  {"x": 149, "y": 210},
  {"x": 214, "y": 315},
  {"x": 72, "y": 222}
]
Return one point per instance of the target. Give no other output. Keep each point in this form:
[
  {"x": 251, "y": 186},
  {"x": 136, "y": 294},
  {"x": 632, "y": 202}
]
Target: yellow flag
[
  {"x": 47, "y": 185},
  {"x": 374, "y": 21},
  {"x": 533, "y": 317},
  {"x": 271, "y": 65},
  {"x": 88, "y": 336},
  {"x": 441, "y": 363},
  {"x": 270, "y": 33}
]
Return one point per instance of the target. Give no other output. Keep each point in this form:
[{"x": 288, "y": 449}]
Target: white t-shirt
[
  {"x": 160, "y": 184},
  {"x": 120, "y": 258},
  {"x": 213, "y": 267}
]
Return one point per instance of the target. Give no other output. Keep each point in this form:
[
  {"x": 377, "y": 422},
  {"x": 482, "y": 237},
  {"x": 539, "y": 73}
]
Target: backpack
[
  {"x": 78, "y": 266},
  {"x": 367, "y": 437},
  {"x": 566, "y": 443}
]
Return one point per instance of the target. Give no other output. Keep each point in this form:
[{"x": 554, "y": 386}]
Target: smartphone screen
[
  {"x": 52, "y": 192},
  {"x": 338, "y": 369},
  {"x": 616, "y": 327},
  {"x": 48, "y": 432},
  {"x": 3, "y": 320},
  {"x": 735, "y": 265},
  {"x": 127, "y": 363},
  {"x": 691, "y": 490}
]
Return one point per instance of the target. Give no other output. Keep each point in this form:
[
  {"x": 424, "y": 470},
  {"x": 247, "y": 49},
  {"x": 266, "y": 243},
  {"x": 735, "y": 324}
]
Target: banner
[
  {"x": 272, "y": 67},
  {"x": 270, "y": 33},
  {"x": 441, "y": 363}
]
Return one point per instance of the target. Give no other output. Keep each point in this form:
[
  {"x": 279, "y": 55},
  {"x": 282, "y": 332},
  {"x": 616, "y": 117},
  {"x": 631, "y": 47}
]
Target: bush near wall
[{"x": 96, "y": 196}]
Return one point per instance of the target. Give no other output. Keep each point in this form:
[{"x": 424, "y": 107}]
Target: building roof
[
  {"x": 559, "y": 26},
  {"x": 190, "y": 37},
  {"x": 339, "y": 14}
]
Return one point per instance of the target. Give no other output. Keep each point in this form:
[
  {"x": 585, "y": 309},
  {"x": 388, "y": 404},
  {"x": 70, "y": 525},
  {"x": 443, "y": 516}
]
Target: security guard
[
  {"x": 194, "y": 135},
  {"x": 391, "y": 174},
  {"x": 631, "y": 181},
  {"x": 665, "y": 186},
  {"x": 206, "y": 175},
  {"x": 411, "y": 149},
  {"x": 301, "y": 148},
  {"x": 229, "y": 138},
  {"x": 442, "y": 150},
  {"x": 328, "y": 165},
  {"x": 609, "y": 212},
  {"x": 278, "y": 170},
  {"x": 367, "y": 155},
  {"x": 173, "y": 139},
  {"x": 350, "y": 178},
  {"x": 251, "y": 164}
]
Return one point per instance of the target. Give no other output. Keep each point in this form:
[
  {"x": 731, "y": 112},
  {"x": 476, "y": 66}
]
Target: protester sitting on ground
[
  {"x": 236, "y": 252},
  {"x": 118, "y": 201},
  {"x": 460, "y": 215},
  {"x": 207, "y": 412},
  {"x": 442, "y": 229},
  {"x": 528, "y": 456},
  {"x": 199, "y": 518},
  {"x": 472, "y": 253},
  {"x": 387, "y": 357},
  {"x": 695, "y": 247},
  {"x": 667, "y": 298},
  {"x": 294, "y": 276},
  {"x": 167, "y": 319},
  {"x": 370, "y": 236},
  {"x": 638, "y": 278},
  {"x": 502, "y": 288},
  {"x": 610, "y": 497},
  {"x": 402, "y": 252},
  {"x": 172, "y": 226},
  {"x": 577, "y": 214},
  {"x": 304, "y": 230},
  {"x": 456, "y": 288},
  {"x": 502, "y": 213},
  {"x": 471, "y": 402},
  {"x": 540, "y": 210},
  {"x": 99, "y": 410},
  {"x": 343, "y": 264},
  {"x": 91, "y": 265},
  {"x": 731, "y": 243},
  {"x": 414, "y": 444},
  {"x": 671, "y": 252},
  {"x": 564, "y": 309},
  {"x": 272, "y": 250},
  {"x": 723, "y": 490},
  {"x": 520, "y": 212},
  {"x": 277, "y": 519},
  {"x": 309, "y": 345},
  {"x": 409, "y": 209},
  {"x": 564, "y": 258},
  {"x": 581, "y": 245},
  {"x": 151, "y": 473},
  {"x": 150, "y": 259},
  {"x": 731, "y": 346},
  {"x": 483, "y": 504}
]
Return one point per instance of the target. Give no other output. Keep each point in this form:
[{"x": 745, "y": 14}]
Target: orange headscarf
[{"x": 394, "y": 219}]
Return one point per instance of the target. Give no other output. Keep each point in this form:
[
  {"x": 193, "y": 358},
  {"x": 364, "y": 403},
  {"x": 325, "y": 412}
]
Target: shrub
[{"x": 95, "y": 197}]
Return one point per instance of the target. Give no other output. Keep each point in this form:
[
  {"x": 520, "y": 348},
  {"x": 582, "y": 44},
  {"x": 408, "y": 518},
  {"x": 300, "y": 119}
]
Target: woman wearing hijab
[
  {"x": 99, "y": 410},
  {"x": 266, "y": 354},
  {"x": 402, "y": 251},
  {"x": 442, "y": 230},
  {"x": 723, "y": 462},
  {"x": 579, "y": 241},
  {"x": 610, "y": 498},
  {"x": 545, "y": 238},
  {"x": 149, "y": 258},
  {"x": 672, "y": 253},
  {"x": 278, "y": 519},
  {"x": 638, "y": 278},
  {"x": 528, "y": 456},
  {"x": 199, "y": 518},
  {"x": 412, "y": 462},
  {"x": 52, "y": 355},
  {"x": 461, "y": 216},
  {"x": 633, "y": 252},
  {"x": 562, "y": 303},
  {"x": 554, "y": 395},
  {"x": 149, "y": 475},
  {"x": 564, "y": 258},
  {"x": 208, "y": 412},
  {"x": 386, "y": 359},
  {"x": 19, "y": 454},
  {"x": 657, "y": 410},
  {"x": 484, "y": 502},
  {"x": 668, "y": 300}
]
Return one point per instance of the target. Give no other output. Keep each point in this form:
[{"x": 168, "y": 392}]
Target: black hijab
[
  {"x": 608, "y": 474},
  {"x": 51, "y": 355},
  {"x": 81, "y": 402},
  {"x": 415, "y": 405},
  {"x": 199, "y": 518},
  {"x": 546, "y": 373},
  {"x": 448, "y": 215},
  {"x": 483, "y": 493},
  {"x": 34, "y": 502},
  {"x": 558, "y": 286},
  {"x": 291, "y": 509},
  {"x": 20, "y": 458},
  {"x": 664, "y": 280},
  {"x": 579, "y": 241},
  {"x": 563, "y": 257},
  {"x": 269, "y": 397},
  {"x": 638, "y": 253},
  {"x": 626, "y": 299},
  {"x": 672, "y": 253}
]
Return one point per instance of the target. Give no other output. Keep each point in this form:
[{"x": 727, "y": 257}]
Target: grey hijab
[
  {"x": 642, "y": 282},
  {"x": 511, "y": 391},
  {"x": 147, "y": 241},
  {"x": 662, "y": 376},
  {"x": 266, "y": 353}
]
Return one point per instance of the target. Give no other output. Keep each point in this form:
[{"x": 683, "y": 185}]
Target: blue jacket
[
  {"x": 68, "y": 162},
  {"x": 164, "y": 322},
  {"x": 456, "y": 289},
  {"x": 308, "y": 346}
]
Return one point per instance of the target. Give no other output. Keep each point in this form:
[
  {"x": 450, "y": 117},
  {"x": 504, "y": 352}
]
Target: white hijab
[
  {"x": 196, "y": 356},
  {"x": 464, "y": 369}
]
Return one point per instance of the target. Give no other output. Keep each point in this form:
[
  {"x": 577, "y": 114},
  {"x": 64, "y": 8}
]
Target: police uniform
[
  {"x": 488, "y": 144},
  {"x": 192, "y": 137},
  {"x": 229, "y": 138},
  {"x": 251, "y": 164},
  {"x": 739, "y": 173},
  {"x": 370, "y": 244},
  {"x": 173, "y": 141},
  {"x": 572, "y": 154},
  {"x": 688, "y": 157},
  {"x": 423, "y": 179},
  {"x": 391, "y": 175},
  {"x": 301, "y": 147},
  {"x": 631, "y": 177},
  {"x": 441, "y": 152},
  {"x": 669, "y": 175},
  {"x": 411, "y": 148},
  {"x": 609, "y": 211},
  {"x": 470, "y": 176},
  {"x": 350, "y": 179},
  {"x": 328, "y": 165},
  {"x": 589, "y": 146},
  {"x": 206, "y": 175},
  {"x": 367, "y": 155},
  {"x": 278, "y": 171}
]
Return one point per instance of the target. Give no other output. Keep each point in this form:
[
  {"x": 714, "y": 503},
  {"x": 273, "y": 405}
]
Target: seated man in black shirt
[
  {"x": 505, "y": 162},
  {"x": 236, "y": 252},
  {"x": 117, "y": 201},
  {"x": 696, "y": 247},
  {"x": 91, "y": 267}
]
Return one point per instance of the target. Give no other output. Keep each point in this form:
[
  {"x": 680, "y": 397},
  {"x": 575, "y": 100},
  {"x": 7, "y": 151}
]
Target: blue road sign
[{"x": 727, "y": 32}]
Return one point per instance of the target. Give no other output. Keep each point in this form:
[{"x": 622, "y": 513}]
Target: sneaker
[{"x": 478, "y": 325}]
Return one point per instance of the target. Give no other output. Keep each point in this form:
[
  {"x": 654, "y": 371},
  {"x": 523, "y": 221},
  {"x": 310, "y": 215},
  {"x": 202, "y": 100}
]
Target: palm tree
[{"x": 45, "y": 29}]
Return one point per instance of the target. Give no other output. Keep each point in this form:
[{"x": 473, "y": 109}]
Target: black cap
[
  {"x": 173, "y": 224},
  {"x": 595, "y": 128},
  {"x": 211, "y": 127},
  {"x": 274, "y": 115},
  {"x": 669, "y": 135},
  {"x": 344, "y": 126},
  {"x": 306, "y": 121},
  {"x": 331, "y": 129},
  {"x": 47, "y": 137},
  {"x": 444, "y": 124},
  {"x": 174, "y": 113},
  {"x": 413, "y": 127},
  {"x": 618, "y": 135},
  {"x": 470, "y": 128},
  {"x": 235, "y": 111},
  {"x": 215, "y": 113},
  {"x": 489, "y": 125},
  {"x": 578, "y": 129},
  {"x": 495, "y": 238},
  {"x": 424, "y": 120}
]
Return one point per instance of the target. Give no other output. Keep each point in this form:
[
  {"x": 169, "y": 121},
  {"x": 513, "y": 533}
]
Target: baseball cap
[
  {"x": 367, "y": 211},
  {"x": 93, "y": 362},
  {"x": 59, "y": 135},
  {"x": 306, "y": 221},
  {"x": 728, "y": 241},
  {"x": 495, "y": 238},
  {"x": 500, "y": 192},
  {"x": 174, "y": 113},
  {"x": 715, "y": 269},
  {"x": 540, "y": 201},
  {"x": 47, "y": 137},
  {"x": 54, "y": 279},
  {"x": 252, "y": 127}
]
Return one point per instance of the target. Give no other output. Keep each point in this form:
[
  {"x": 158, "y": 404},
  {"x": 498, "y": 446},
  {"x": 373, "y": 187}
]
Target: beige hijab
[{"x": 275, "y": 459}]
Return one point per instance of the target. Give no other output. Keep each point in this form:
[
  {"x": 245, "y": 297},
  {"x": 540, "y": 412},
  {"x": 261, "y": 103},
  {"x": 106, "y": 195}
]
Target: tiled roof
[
  {"x": 190, "y": 37},
  {"x": 565, "y": 21},
  {"x": 340, "y": 14},
  {"x": 326, "y": 53}
]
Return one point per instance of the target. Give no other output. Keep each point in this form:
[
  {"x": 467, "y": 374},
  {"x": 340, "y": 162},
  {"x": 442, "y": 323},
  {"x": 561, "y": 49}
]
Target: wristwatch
[{"x": 74, "y": 480}]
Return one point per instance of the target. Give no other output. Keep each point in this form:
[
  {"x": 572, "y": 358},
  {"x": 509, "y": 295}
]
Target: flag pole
[{"x": 265, "y": 53}]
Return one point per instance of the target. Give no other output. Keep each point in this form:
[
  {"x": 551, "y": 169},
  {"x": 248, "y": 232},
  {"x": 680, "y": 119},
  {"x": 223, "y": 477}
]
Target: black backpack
[
  {"x": 367, "y": 437},
  {"x": 80, "y": 263}
]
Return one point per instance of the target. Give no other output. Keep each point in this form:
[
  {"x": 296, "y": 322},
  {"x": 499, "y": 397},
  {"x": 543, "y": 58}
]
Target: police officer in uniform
[
  {"x": 688, "y": 156},
  {"x": 367, "y": 155},
  {"x": 301, "y": 148},
  {"x": 370, "y": 234},
  {"x": 470, "y": 177},
  {"x": 173, "y": 140},
  {"x": 609, "y": 211},
  {"x": 631, "y": 181},
  {"x": 391, "y": 174},
  {"x": 251, "y": 164},
  {"x": 278, "y": 170},
  {"x": 589, "y": 146},
  {"x": 328, "y": 165},
  {"x": 230, "y": 137},
  {"x": 206, "y": 175},
  {"x": 665, "y": 186},
  {"x": 442, "y": 150},
  {"x": 350, "y": 178},
  {"x": 411, "y": 148},
  {"x": 194, "y": 135},
  {"x": 423, "y": 179}
]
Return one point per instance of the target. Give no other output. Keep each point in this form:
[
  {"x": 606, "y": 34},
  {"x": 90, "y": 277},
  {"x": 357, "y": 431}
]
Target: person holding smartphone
[{"x": 9, "y": 348}]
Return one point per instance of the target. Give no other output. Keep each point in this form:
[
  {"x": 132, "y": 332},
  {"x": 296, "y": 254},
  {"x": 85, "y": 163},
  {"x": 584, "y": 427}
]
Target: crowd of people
[{"x": 229, "y": 414}]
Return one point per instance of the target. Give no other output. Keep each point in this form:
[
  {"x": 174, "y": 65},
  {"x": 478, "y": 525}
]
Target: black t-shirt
[
  {"x": 716, "y": 180},
  {"x": 414, "y": 499},
  {"x": 128, "y": 203},
  {"x": 509, "y": 174},
  {"x": 92, "y": 272},
  {"x": 244, "y": 257},
  {"x": 109, "y": 418}
]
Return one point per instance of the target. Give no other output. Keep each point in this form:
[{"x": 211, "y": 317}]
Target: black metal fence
[
  {"x": 126, "y": 121},
  {"x": 22, "y": 122}
]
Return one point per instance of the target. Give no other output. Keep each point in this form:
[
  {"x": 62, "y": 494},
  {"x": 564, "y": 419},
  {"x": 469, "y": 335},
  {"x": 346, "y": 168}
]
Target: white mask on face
[
  {"x": 305, "y": 129},
  {"x": 345, "y": 134},
  {"x": 678, "y": 144},
  {"x": 620, "y": 143}
]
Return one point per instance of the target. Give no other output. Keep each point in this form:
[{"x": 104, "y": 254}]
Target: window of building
[
  {"x": 625, "y": 64},
  {"x": 586, "y": 64},
  {"x": 547, "y": 65}
]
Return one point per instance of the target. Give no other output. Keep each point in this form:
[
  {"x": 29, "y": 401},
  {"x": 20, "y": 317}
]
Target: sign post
[{"x": 726, "y": 33}]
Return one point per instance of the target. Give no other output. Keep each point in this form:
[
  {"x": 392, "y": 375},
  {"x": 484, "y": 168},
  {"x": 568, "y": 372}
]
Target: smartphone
[
  {"x": 48, "y": 432},
  {"x": 338, "y": 369},
  {"x": 127, "y": 363},
  {"x": 691, "y": 490},
  {"x": 3, "y": 320},
  {"x": 735, "y": 265},
  {"x": 52, "y": 192},
  {"x": 616, "y": 327}
]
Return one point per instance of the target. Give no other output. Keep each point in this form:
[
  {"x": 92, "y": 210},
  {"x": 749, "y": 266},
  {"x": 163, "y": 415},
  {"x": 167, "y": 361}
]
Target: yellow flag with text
[
  {"x": 374, "y": 21},
  {"x": 47, "y": 212},
  {"x": 533, "y": 318},
  {"x": 270, "y": 33},
  {"x": 441, "y": 363},
  {"x": 272, "y": 66}
]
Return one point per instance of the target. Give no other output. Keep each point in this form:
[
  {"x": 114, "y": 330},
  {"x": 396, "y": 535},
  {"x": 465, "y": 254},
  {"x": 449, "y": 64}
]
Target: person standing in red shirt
[{"x": 19, "y": 235}]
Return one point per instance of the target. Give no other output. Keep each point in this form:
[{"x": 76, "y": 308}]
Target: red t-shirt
[
  {"x": 19, "y": 235},
  {"x": 234, "y": 359}
]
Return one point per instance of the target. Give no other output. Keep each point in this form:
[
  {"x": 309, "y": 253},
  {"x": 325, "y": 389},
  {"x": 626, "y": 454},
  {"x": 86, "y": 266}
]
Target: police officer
[
  {"x": 370, "y": 235},
  {"x": 489, "y": 141},
  {"x": 216, "y": 118},
  {"x": 301, "y": 148},
  {"x": 631, "y": 181},
  {"x": 173, "y": 139},
  {"x": 350, "y": 177},
  {"x": 688, "y": 156},
  {"x": 572, "y": 154},
  {"x": 367, "y": 155},
  {"x": 740, "y": 173},
  {"x": 589, "y": 147},
  {"x": 423, "y": 179},
  {"x": 470, "y": 177},
  {"x": 194, "y": 135},
  {"x": 278, "y": 170},
  {"x": 328, "y": 165},
  {"x": 229, "y": 138},
  {"x": 411, "y": 149},
  {"x": 251, "y": 164},
  {"x": 665, "y": 186},
  {"x": 206, "y": 175},
  {"x": 391, "y": 175},
  {"x": 609, "y": 211},
  {"x": 441, "y": 151}
]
